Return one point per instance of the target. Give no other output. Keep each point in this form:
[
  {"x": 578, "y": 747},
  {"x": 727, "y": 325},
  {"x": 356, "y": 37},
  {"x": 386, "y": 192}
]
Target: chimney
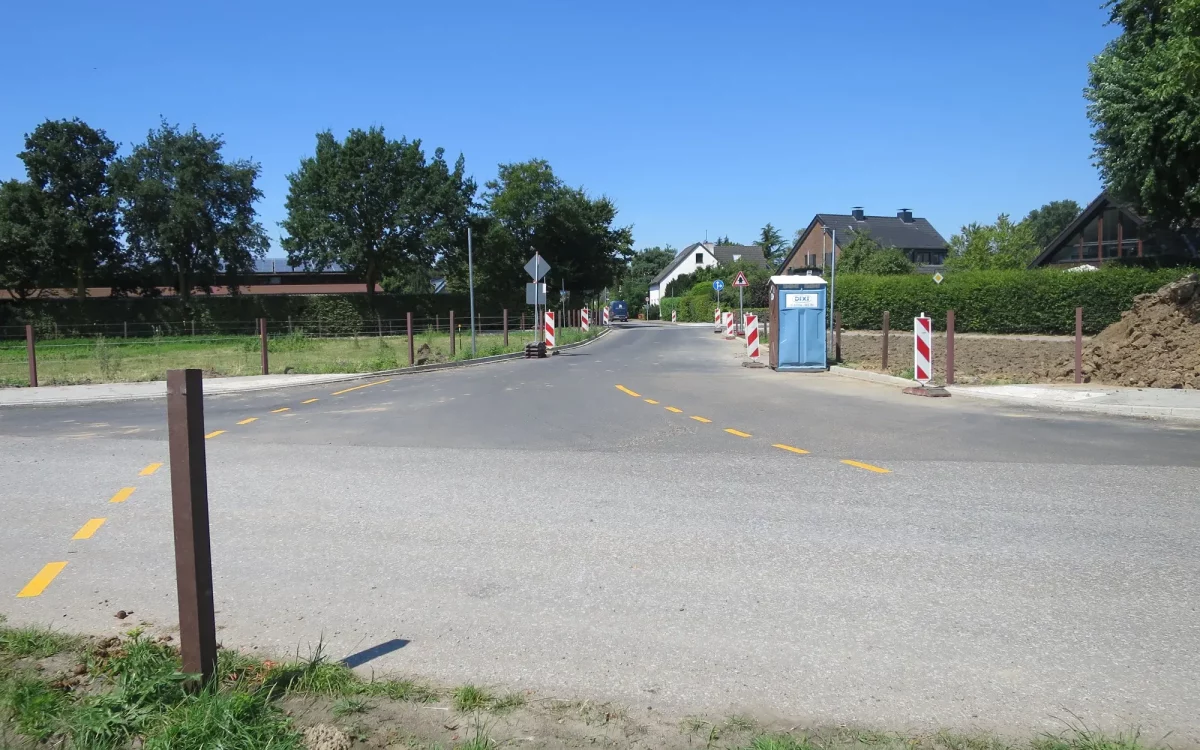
[
  {"x": 905, "y": 215},
  {"x": 858, "y": 213}
]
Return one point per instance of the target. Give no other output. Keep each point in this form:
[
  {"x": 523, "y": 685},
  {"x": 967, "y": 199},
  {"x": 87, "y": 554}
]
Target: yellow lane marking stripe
[
  {"x": 122, "y": 495},
  {"x": 702, "y": 419},
  {"x": 739, "y": 433},
  {"x": 358, "y": 387},
  {"x": 311, "y": 400},
  {"x": 213, "y": 434},
  {"x": 89, "y": 528},
  {"x": 623, "y": 389},
  {"x": 868, "y": 467},
  {"x": 39, "y": 582},
  {"x": 783, "y": 447},
  {"x": 650, "y": 401},
  {"x": 149, "y": 470},
  {"x": 248, "y": 421},
  {"x": 673, "y": 409},
  {"x": 277, "y": 411}
]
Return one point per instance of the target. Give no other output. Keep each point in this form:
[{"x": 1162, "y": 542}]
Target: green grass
[
  {"x": 471, "y": 698},
  {"x": 100, "y": 360},
  {"x": 36, "y": 642},
  {"x": 343, "y": 707}
]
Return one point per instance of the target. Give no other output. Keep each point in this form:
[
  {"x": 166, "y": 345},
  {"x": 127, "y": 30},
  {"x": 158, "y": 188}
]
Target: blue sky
[{"x": 693, "y": 117}]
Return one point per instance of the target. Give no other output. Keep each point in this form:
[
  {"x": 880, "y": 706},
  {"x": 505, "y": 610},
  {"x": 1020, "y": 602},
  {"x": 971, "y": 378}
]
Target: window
[
  {"x": 699, "y": 259},
  {"x": 828, "y": 259},
  {"x": 1129, "y": 237},
  {"x": 1108, "y": 246},
  {"x": 1091, "y": 240}
]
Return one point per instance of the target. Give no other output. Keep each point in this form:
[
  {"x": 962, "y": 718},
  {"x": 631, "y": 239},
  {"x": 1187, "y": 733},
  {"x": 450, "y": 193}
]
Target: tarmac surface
[{"x": 644, "y": 520}]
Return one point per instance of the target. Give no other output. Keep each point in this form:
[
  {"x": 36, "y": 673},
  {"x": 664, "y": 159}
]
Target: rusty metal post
[
  {"x": 412, "y": 358},
  {"x": 1079, "y": 345},
  {"x": 262, "y": 333},
  {"x": 522, "y": 321},
  {"x": 887, "y": 323},
  {"x": 453, "y": 336},
  {"x": 189, "y": 507},
  {"x": 31, "y": 352},
  {"x": 949, "y": 347},
  {"x": 506, "y": 326},
  {"x": 837, "y": 336}
]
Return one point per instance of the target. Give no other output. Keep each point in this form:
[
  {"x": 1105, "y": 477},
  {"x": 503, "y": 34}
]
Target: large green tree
[
  {"x": 376, "y": 207},
  {"x": 863, "y": 254},
  {"x": 1145, "y": 110},
  {"x": 772, "y": 244},
  {"x": 69, "y": 161},
  {"x": 1048, "y": 221},
  {"x": 188, "y": 213},
  {"x": 1001, "y": 246},
  {"x": 31, "y": 231}
]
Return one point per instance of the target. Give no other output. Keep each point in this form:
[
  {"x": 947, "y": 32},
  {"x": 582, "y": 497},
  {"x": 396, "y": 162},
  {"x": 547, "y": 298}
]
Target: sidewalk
[
  {"x": 55, "y": 395},
  {"x": 1153, "y": 403}
]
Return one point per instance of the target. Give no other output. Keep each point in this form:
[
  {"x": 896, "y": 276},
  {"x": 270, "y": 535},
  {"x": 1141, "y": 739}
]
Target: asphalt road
[{"x": 644, "y": 520}]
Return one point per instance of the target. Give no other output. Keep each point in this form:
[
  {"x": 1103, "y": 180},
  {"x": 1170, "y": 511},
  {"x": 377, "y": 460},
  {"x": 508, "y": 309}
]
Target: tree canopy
[
  {"x": 375, "y": 207},
  {"x": 30, "y": 238},
  {"x": 188, "y": 214},
  {"x": 1047, "y": 222},
  {"x": 773, "y": 245},
  {"x": 1001, "y": 246},
  {"x": 863, "y": 254},
  {"x": 1144, "y": 109}
]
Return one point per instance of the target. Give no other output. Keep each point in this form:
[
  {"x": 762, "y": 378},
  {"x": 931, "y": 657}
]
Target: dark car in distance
[{"x": 618, "y": 310}]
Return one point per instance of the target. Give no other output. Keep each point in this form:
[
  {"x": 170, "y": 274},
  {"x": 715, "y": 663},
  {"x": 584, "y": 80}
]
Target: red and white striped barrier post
[
  {"x": 549, "y": 329},
  {"x": 604, "y": 317},
  {"x": 673, "y": 316},
  {"x": 583, "y": 319},
  {"x": 752, "y": 336},
  {"x": 922, "y": 350},
  {"x": 717, "y": 320},
  {"x": 730, "y": 331}
]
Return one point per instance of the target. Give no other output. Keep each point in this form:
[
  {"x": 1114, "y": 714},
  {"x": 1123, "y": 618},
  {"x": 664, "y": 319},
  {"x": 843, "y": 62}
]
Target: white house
[{"x": 702, "y": 255}]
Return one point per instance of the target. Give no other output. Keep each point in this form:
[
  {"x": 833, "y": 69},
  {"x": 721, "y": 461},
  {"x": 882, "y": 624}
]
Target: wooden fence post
[
  {"x": 31, "y": 352},
  {"x": 837, "y": 336},
  {"x": 262, "y": 332},
  {"x": 1079, "y": 345},
  {"x": 949, "y": 347},
  {"x": 887, "y": 323},
  {"x": 453, "y": 336},
  {"x": 412, "y": 358},
  {"x": 506, "y": 326}
]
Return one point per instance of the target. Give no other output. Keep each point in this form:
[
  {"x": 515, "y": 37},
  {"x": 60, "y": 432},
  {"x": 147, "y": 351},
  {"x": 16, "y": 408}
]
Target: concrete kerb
[
  {"x": 1186, "y": 414},
  {"x": 348, "y": 377},
  {"x": 873, "y": 377}
]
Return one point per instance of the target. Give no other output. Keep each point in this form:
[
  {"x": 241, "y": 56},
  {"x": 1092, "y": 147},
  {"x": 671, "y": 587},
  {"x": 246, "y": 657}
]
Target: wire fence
[{"x": 121, "y": 352}]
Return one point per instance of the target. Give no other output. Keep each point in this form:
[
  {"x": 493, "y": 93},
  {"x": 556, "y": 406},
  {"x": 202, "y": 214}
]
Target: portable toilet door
[{"x": 797, "y": 335}]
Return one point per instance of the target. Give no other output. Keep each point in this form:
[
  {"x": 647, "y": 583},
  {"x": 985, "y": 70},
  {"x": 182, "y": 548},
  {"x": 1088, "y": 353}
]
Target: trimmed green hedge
[{"x": 999, "y": 301}]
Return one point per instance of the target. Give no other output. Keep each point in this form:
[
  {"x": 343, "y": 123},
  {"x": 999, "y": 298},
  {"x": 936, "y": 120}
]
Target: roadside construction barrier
[
  {"x": 604, "y": 317},
  {"x": 730, "y": 329},
  {"x": 922, "y": 350},
  {"x": 549, "y": 330},
  {"x": 673, "y": 316},
  {"x": 752, "y": 336},
  {"x": 717, "y": 320},
  {"x": 583, "y": 319}
]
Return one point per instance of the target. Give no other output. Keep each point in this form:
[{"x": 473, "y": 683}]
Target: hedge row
[{"x": 999, "y": 301}]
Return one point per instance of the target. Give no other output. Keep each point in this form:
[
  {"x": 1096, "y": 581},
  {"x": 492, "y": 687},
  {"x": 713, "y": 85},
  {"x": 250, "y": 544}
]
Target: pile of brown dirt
[{"x": 1156, "y": 344}]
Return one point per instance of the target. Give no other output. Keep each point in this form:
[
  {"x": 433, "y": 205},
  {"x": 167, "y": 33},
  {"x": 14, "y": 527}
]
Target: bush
[{"x": 999, "y": 301}]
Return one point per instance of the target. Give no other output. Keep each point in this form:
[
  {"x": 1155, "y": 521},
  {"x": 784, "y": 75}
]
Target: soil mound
[{"x": 1155, "y": 344}]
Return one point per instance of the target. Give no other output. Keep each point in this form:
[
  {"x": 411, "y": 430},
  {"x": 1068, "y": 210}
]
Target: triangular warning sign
[{"x": 741, "y": 280}]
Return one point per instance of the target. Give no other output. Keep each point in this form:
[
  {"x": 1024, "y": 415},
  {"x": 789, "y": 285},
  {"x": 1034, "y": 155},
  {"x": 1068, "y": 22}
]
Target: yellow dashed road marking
[
  {"x": 793, "y": 449},
  {"x": 673, "y": 409},
  {"x": 739, "y": 433},
  {"x": 213, "y": 434},
  {"x": 868, "y": 467},
  {"x": 358, "y": 387},
  {"x": 149, "y": 470},
  {"x": 310, "y": 401},
  {"x": 702, "y": 419},
  {"x": 278, "y": 411},
  {"x": 650, "y": 401},
  {"x": 122, "y": 495},
  {"x": 625, "y": 390},
  {"x": 38, "y": 584},
  {"x": 89, "y": 528},
  {"x": 248, "y": 421}
]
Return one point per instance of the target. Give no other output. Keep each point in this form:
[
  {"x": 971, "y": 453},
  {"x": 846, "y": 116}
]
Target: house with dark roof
[
  {"x": 1108, "y": 231},
  {"x": 912, "y": 235},
  {"x": 703, "y": 255}
]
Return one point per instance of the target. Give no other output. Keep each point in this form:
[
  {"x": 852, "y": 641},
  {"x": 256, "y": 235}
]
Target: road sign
[
  {"x": 718, "y": 285},
  {"x": 537, "y": 267},
  {"x": 535, "y": 294},
  {"x": 741, "y": 280},
  {"x": 937, "y": 278},
  {"x": 922, "y": 350},
  {"x": 439, "y": 286}
]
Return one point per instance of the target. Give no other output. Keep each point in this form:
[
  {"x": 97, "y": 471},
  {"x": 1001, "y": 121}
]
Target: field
[{"x": 74, "y": 361}]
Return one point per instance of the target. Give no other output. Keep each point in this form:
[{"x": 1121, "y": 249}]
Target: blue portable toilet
[{"x": 797, "y": 333}]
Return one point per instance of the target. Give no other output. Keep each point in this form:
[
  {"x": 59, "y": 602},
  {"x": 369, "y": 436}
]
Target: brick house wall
[{"x": 812, "y": 247}]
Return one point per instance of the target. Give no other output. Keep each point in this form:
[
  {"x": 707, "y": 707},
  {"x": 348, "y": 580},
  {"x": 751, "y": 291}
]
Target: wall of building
[
  {"x": 687, "y": 265},
  {"x": 816, "y": 243}
]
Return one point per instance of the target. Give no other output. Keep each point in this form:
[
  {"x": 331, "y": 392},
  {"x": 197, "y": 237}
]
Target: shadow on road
[{"x": 374, "y": 652}]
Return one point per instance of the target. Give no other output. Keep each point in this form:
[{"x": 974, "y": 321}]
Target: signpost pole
[
  {"x": 471, "y": 284},
  {"x": 741, "y": 309}
]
